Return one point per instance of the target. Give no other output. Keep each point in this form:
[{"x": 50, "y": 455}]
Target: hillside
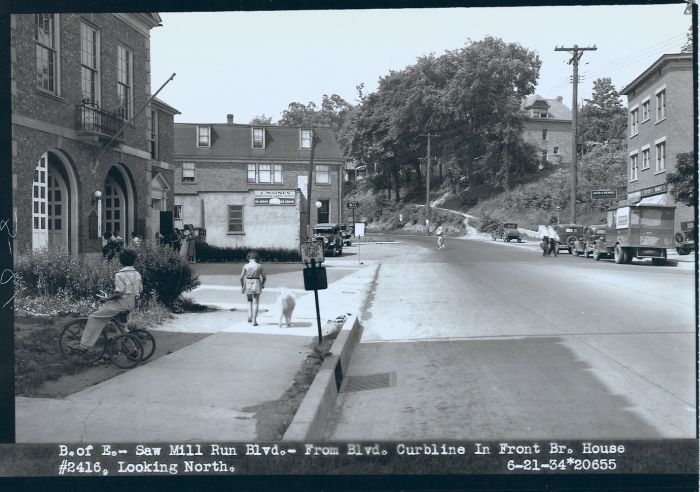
[{"x": 529, "y": 204}]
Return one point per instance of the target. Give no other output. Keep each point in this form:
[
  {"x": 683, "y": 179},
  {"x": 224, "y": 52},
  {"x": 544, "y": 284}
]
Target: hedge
[
  {"x": 216, "y": 254},
  {"x": 48, "y": 273}
]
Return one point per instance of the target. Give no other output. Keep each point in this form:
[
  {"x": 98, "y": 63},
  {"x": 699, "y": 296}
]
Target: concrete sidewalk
[{"x": 201, "y": 392}]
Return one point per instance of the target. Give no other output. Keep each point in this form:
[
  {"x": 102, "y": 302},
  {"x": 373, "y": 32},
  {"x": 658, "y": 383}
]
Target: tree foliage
[
  {"x": 688, "y": 45},
  {"x": 261, "y": 120},
  {"x": 602, "y": 118},
  {"x": 682, "y": 180},
  {"x": 470, "y": 98}
]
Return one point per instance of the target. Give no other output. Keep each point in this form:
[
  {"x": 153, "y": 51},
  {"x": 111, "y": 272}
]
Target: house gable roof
[
  {"x": 556, "y": 108},
  {"x": 234, "y": 141}
]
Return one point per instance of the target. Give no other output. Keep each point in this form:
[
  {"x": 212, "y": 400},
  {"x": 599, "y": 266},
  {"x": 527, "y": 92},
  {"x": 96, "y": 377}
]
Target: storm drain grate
[{"x": 369, "y": 382}]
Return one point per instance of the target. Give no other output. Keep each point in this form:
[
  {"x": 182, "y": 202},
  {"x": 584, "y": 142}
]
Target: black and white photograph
[{"x": 379, "y": 233}]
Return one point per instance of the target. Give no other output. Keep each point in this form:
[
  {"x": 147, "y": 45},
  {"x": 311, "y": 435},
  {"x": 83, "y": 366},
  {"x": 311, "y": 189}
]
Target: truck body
[{"x": 639, "y": 231}]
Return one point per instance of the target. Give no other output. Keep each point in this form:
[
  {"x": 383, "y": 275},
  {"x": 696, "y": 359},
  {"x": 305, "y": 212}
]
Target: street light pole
[{"x": 427, "y": 184}]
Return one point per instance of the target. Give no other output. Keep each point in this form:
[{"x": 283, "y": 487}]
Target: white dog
[{"x": 285, "y": 305}]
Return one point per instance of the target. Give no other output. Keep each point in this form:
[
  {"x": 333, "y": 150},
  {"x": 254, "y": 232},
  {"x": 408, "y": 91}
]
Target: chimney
[
  {"x": 229, "y": 119},
  {"x": 560, "y": 98}
]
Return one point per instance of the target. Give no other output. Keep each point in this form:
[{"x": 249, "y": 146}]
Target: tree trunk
[
  {"x": 397, "y": 185},
  {"x": 419, "y": 176}
]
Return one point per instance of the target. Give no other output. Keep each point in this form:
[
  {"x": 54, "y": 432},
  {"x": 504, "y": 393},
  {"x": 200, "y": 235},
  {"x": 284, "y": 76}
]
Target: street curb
[{"x": 310, "y": 419}]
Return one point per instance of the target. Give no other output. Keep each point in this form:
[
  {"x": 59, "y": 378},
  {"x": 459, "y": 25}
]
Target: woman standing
[{"x": 252, "y": 284}]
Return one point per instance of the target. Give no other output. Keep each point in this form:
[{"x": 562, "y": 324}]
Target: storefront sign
[
  {"x": 603, "y": 193},
  {"x": 274, "y": 197},
  {"x": 622, "y": 218},
  {"x": 654, "y": 190}
]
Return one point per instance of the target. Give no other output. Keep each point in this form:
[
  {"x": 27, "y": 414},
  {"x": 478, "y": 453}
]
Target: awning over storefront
[{"x": 654, "y": 200}]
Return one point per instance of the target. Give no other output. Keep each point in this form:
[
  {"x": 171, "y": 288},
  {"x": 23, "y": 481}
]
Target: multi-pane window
[
  {"x": 89, "y": 64},
  {"x": 324, "y": 212},
  {"x": 258, "y": 138},
  {"x": 645, "y": 158},
  {"x": 645, "y": 111},
  {"x": 633, "y": 167},
  {"x": 188, "y": 172},
  {"x": 39, "y": 201},
  {"x": 235, "y": 218},
  {"x": 661, "y": 105},
  {"x": 323, "y": 174},
  {"x": 556, "y": 150},
  {"x": 634, "y": 122},
  {"x": 306, "y": 139},
  {"x": 153, "y": 140},
  {"x": 124, "y": 86},
  {"x": 264, "y": 173},
  {"x": 46, "y": 68},
  {"x": 203, "y": 136},
  {"x": 177, "y": 212},
  {"x": 545, "y": 134},
  {"x": 660, "y": 157},
  {"x": 544, "y": 155}
]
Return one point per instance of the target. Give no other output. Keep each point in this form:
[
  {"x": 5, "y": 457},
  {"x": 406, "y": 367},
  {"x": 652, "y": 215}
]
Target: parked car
[
  {"x": 346, "y": 234},
  {"x": 584, "y": 245},
  {"x": 568, "y": 235},
  {"x": 507, "y": 231},
  {"x": 332, "y": 238},
  {"x": 685, "y": 238},
  {"x": 639, "y": 231}
]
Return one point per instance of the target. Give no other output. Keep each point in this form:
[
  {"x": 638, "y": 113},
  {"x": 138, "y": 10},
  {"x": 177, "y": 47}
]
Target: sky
[{"x": 255, "y": 63}]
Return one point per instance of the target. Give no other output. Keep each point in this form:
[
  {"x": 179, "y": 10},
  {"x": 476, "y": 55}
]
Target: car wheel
[
  {"x": 596, "y": 254},
  {"x": 619, "y": 254},
  {"x": 629, "y": 255},
  {"x": 520, "y": 240},
  {"x": 683, "y": 250}
]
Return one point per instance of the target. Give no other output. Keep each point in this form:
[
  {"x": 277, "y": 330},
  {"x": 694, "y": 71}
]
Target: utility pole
[
  {"x": 308, "y": 185},
  {"x": 427, "y": 183},
  {"x": 577, "y": 53}
]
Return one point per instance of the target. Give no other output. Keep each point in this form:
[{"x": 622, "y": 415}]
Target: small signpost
[
  {"x": 353, "y": 206},
  {"x": 314, "y": 274},
  {"x": 603, "y": 193}
]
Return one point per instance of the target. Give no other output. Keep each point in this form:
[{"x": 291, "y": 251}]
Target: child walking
[
  {"x": 127, "y": 289},
  {"x": 252, "y": 284}
]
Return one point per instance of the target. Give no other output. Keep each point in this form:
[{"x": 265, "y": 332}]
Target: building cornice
[
  {"x": 142, "y": 22},
  {"x": 678, "y": 58}
]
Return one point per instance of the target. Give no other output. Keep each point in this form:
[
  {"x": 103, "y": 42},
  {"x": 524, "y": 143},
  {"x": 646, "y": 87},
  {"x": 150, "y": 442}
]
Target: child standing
[
  {"x": 127, "y": 289},
  {"x": 252, "y": 284}
]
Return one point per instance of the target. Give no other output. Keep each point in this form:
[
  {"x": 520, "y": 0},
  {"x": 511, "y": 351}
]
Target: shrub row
[
  {"x": 215, "y": 254},
  {"x": 49, "y": 273}
]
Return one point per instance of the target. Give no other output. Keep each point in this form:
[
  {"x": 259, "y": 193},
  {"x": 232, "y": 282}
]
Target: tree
[
  {"x": 261, "y": 120},
  {"x": 469, "y": 97},
  {"x": 602, "y": 118},
  {"x": 688, "y": 45},
  {"x": 682, "y": 180}
]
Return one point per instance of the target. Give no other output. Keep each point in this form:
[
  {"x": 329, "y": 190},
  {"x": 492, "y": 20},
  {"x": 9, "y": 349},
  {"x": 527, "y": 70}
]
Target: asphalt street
[{"x": 483, "y": 340}]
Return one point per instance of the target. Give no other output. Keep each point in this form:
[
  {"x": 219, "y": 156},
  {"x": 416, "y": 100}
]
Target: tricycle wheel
[
  {"x": 126, "y": 350},
  {"x": 69, "y": 343}
]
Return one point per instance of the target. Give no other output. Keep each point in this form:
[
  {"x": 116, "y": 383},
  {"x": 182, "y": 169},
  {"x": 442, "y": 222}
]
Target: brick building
[
  {"x": 76, "y": 79},
  {"x": 548, "y": 127},
  {"x": 661, "y": 123},
  {"x": 246, "y": 185}
]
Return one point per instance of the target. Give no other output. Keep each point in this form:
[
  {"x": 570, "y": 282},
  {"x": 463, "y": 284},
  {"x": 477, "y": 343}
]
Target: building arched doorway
[
  {"x": 54, "y": 204},
  {"x": 118, "y": 210}
]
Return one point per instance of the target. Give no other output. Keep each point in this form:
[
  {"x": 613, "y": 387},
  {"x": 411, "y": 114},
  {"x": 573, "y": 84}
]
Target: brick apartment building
[
  {"x": 661, "y": 123},
  {"x": 246, "y": 185},
  {"x": 75, "y": 80},
  {"x": 548, "y": 127}
]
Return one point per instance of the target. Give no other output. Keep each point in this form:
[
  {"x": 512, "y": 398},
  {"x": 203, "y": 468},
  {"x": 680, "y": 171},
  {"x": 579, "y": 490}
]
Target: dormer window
[
  {"x": 203, "y": 136},
  {"x": 305, "y": 139},
  {"x": 539, "y": 113},
  {"x": 258, "y": 138}
]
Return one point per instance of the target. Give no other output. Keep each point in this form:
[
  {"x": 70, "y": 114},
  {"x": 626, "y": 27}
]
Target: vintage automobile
[
  {"x": 685, "y": 238},
  {"x": 639, "y": 231},
  {"x": 332, "y": 239},
  {"x": 568, "y": 234},
  {"x": 346, "y": 234},
  {"x": 507, "y": 231},
  {"x": 584, "y": 245}
]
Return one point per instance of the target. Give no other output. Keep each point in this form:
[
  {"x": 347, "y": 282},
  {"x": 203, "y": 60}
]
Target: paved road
[{"x": 483, "y": 340}]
